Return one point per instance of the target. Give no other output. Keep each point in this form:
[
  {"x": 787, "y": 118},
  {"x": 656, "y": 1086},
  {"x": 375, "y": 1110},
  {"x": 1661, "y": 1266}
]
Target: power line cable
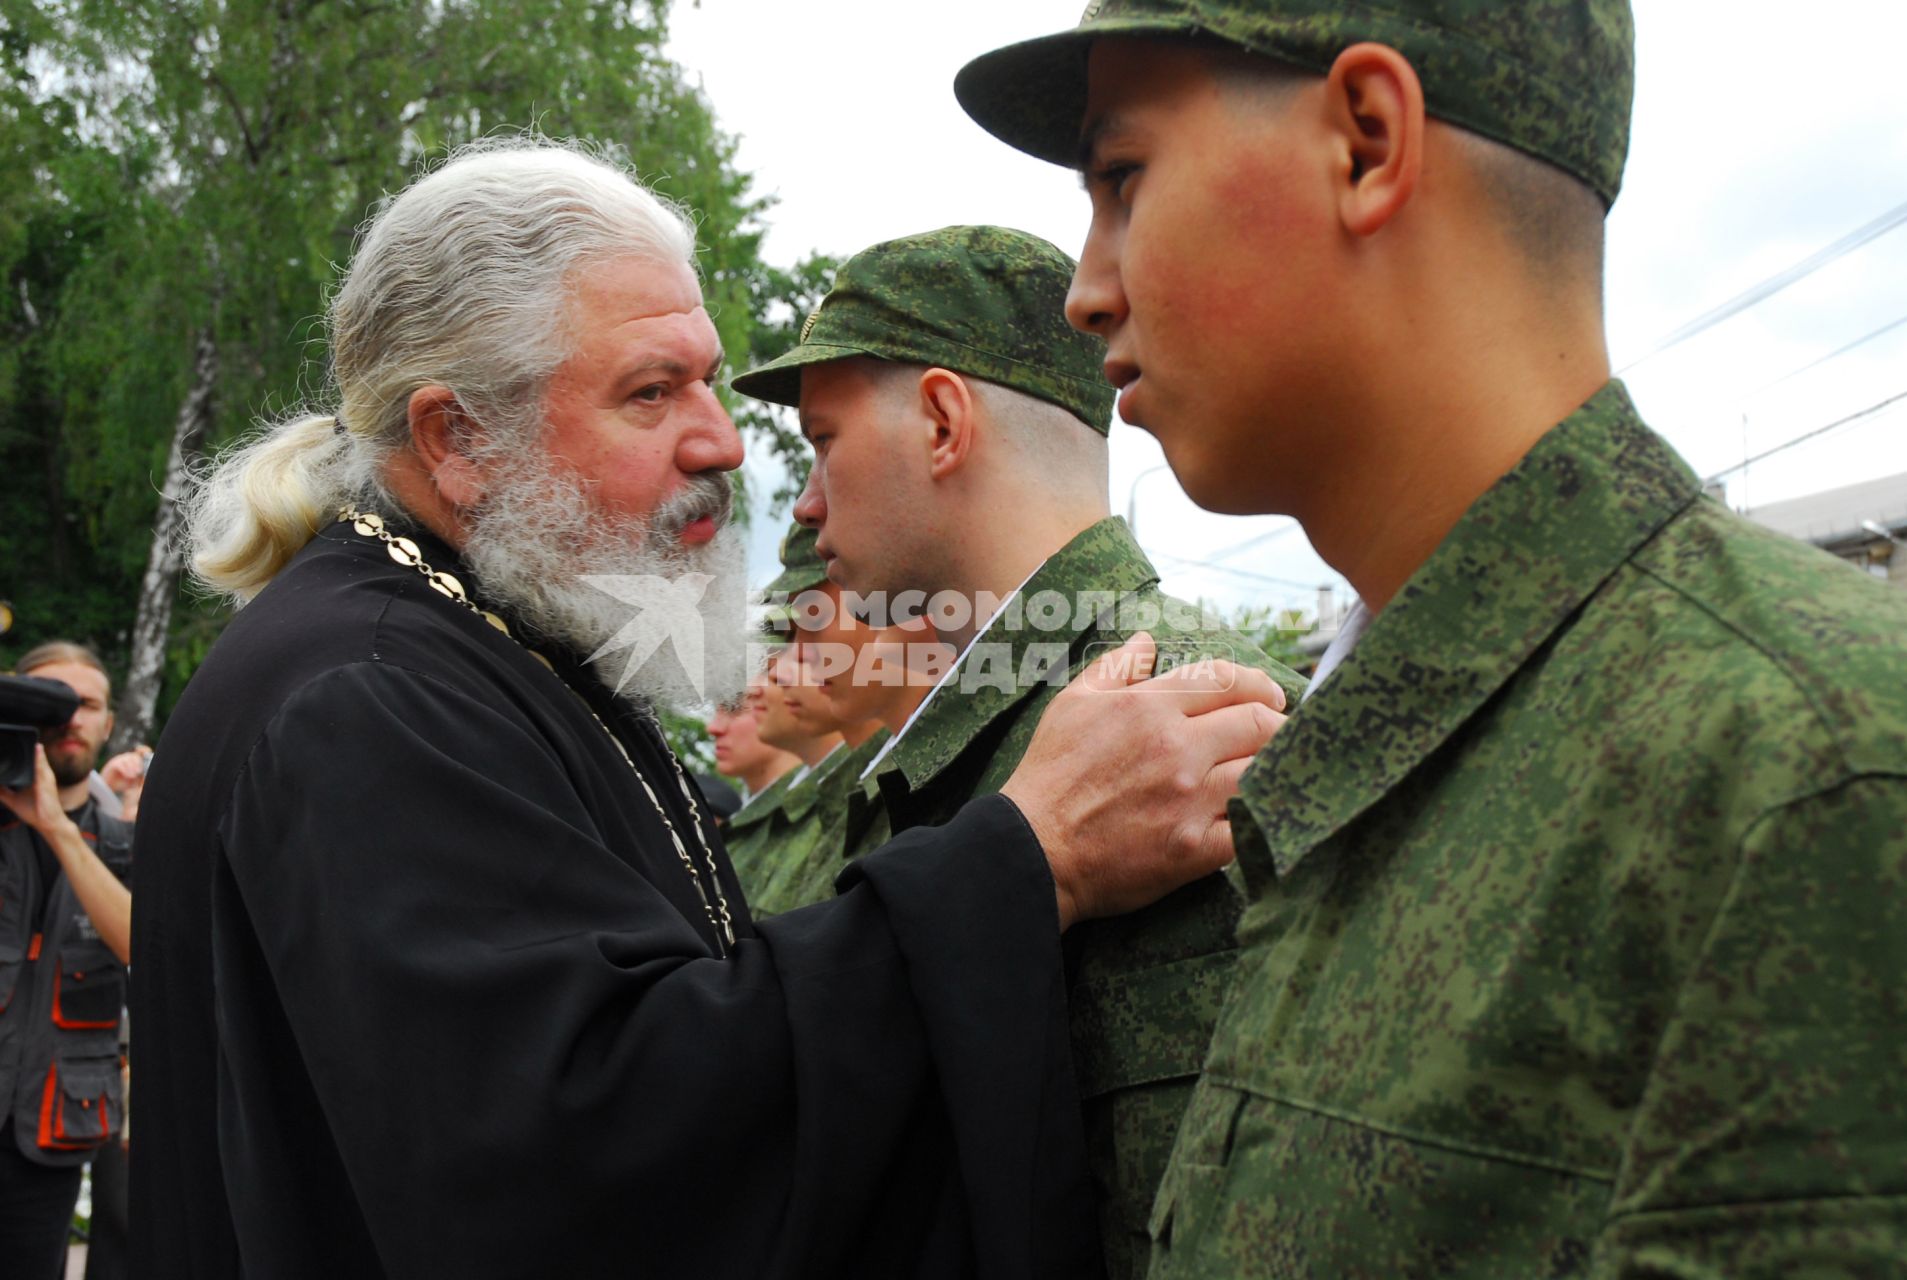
[
  {"x": 1256, "y": 540},
  {"x": 1832, "y": 355},
  {"x": 1772, "y": 285},
  {"x": 1238, "y": 573},
  {"x": 1815, "y": 434}
]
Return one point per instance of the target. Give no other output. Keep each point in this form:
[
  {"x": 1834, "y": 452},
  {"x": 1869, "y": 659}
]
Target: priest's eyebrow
[{"x": 675, "y": 369}]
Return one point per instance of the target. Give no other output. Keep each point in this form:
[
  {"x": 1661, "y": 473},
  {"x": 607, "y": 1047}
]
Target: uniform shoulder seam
[{"x": 1779, "y": 661}]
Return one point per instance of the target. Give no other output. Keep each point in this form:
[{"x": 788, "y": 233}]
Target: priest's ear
[{"x": 440, "y": 435}]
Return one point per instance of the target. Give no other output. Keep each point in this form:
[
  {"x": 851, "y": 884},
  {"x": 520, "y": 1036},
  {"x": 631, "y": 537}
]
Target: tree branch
[
  {"x": 26, "y": 308},
  {"x": 251, "y": 144}
]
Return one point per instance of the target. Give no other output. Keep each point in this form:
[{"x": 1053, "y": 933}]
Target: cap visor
[
  {"x": 1032, "y": 95},
  {"x": 779, "y": 381}
]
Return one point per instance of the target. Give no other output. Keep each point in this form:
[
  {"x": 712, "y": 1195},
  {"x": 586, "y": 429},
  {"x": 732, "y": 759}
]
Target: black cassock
[{"x": 423, "y": 989}]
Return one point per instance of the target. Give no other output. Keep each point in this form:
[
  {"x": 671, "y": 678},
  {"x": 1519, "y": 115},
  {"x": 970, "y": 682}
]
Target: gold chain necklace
[{"x": 410, "y": 555}]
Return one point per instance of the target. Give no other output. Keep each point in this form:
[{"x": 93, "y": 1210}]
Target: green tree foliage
[
  {"x": 1277, "y": 632},
  {"x": 785, "y": 297},
  {"x": 183, "y": 169}
]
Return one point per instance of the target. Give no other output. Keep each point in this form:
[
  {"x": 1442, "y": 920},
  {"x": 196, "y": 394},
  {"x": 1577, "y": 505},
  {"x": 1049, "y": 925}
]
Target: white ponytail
[{"x": 265, "y": 498}]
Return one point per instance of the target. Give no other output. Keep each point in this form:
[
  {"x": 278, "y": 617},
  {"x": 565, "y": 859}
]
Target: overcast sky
[{"x": 1763, "y": 134}]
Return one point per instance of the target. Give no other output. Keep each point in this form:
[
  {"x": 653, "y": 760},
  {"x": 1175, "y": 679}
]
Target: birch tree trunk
[{"x": 157, "y": 589}]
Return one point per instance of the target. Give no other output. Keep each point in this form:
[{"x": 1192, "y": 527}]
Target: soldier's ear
[
  {"x": 440, "y": 430},
  {"x": 1376, "y": 115},
  {"x": 948, "y": 405}
]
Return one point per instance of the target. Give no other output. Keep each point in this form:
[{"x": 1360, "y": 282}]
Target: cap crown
[
  {"x": 984, "y": 301},
  {"x": 802, "y": 567},
  {"x": 1553, "y": 78}
]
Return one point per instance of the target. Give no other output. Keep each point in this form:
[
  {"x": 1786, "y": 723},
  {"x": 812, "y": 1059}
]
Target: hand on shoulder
[{"x": 1126, "y": 779}]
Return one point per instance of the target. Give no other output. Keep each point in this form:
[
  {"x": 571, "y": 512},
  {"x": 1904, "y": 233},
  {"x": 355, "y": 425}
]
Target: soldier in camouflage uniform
[
  {"x": 747, "y": 829},
  {"x": 1578, "y": 891},
  {"x": 774, "y": 825},
  {"x": 870, "y": 689},
  {"x": 741, "y": 756},
  {"x": 928, "y": 319}
]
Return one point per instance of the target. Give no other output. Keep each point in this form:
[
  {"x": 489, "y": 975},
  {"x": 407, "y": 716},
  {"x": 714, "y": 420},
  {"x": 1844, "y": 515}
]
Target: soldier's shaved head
[
  {"x": 1069, "y": 458},
  {"x": 1554, "y": 219}
]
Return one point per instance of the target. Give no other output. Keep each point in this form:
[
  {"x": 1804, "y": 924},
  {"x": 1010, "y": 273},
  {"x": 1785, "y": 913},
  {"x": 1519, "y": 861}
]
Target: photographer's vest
[{"x": 61, "y": 991}]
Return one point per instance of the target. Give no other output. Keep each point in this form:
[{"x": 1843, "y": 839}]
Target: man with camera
[{"x": 65, "y": 935}]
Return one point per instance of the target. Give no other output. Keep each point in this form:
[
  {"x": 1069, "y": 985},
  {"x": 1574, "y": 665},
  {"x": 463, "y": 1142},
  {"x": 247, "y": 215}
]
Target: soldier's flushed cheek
[{"x": 1211, "y": 256}]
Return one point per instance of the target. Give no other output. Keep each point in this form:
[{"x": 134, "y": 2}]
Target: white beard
[{"x": 565, "y": 569}]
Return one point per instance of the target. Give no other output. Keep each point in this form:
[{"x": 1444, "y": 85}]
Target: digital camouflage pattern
[
  {"x": 1553, "y": 78},
  {"x": 1577, "y": 912},
  {"x": 778, "y": 829},
  {"x": 807, "y": 875},
  {"x": 802, "y": 568},
  {"x": 785, "y": 836},
  {"x": 983, "y": 301},
  {"x": 865, "y": 825},
  {"x": 1144, "y": 989},
  {"x": 748, "y": 830}
]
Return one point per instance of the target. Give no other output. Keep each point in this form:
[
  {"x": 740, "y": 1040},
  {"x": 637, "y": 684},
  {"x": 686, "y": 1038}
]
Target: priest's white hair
[{"x": 461, "y": 280}]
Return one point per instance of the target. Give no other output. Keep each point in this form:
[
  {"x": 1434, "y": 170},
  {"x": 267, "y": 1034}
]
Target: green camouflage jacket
[
  {"x": 746, "y": 838},
  {"x": 805, "y": 868},
  {"x": 865, "y": 825},
  {"x": 1577, "y": 912},
  {"x": 1146, "y": 988}
]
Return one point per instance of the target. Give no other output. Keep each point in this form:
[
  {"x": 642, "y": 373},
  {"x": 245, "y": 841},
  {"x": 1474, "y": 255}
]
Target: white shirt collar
[
  {"x": 1350, "y": 631},
  {"x": 947, "y": 679}
]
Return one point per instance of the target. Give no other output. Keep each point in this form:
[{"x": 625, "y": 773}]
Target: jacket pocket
[
  {"x": 1184, "y": 1209},
  {"x": 1194, "y": 1185},
  {"x": 1150, "y": 1025},
  {"x": 86, "y": 996},
  {"x": 81, "y": 1106}
]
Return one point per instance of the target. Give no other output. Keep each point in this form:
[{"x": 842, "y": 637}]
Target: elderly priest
[{"x": 442, "y": 968}]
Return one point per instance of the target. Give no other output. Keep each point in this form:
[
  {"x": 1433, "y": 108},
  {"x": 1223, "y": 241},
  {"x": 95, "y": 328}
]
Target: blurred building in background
[{"x": 1864, "y": 524}]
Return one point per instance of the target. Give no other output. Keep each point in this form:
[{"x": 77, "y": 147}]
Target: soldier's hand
[{"x": 1126, "y": 779}]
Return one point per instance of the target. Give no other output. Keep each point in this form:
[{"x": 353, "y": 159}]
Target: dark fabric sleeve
[
  {"x": 1005, "y": 1059},
  {"x": 527, "y": 1063},
  {"x": 1769, "y": 1140}
]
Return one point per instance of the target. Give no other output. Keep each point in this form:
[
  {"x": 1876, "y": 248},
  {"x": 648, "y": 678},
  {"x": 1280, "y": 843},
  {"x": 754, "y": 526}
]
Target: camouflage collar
[
  {"x": 1525, "y": 557},
  {"x": 838, "y": 771},
  {"x": 844, "y": 779},
  {"x": 765, "y": 802},
  {"x": 1104, "y": 559},
  {"x": 799, "y": 800}
]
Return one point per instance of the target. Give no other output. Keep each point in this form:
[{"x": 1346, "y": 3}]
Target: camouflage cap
[
  {"x": 984, "y": 301},
  {"x": 1553, "y": 78},
  {"x": 802, "y": 567}
]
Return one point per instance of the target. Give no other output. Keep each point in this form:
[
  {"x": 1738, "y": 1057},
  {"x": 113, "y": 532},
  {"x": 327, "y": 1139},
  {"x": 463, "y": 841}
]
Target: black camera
[{"x": 29, "y": 704}]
